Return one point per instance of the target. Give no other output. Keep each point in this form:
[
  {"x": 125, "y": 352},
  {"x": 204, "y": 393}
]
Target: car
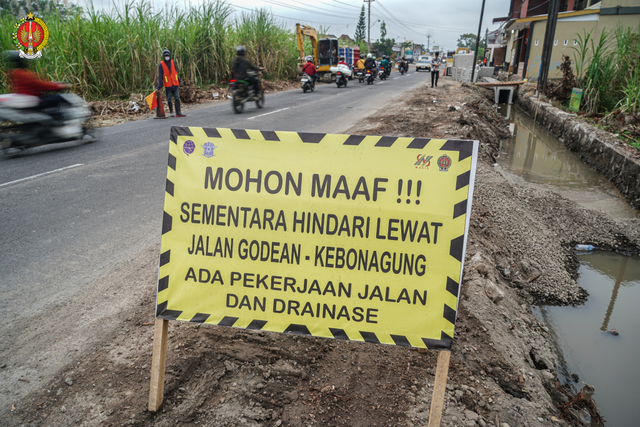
[{"x": 423, "y": 64}]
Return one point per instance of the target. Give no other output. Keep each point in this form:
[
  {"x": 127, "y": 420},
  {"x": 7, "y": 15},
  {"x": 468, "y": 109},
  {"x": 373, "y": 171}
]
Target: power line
[
  {"x": 289, "y": 18},
  {"x": 346, "y": 4},
  {"x": 303, "y": 9}
]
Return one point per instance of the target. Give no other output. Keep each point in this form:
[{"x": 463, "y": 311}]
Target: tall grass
[
  {"x": 607, "y": 69},
  {"x": 111, "y": 54}
]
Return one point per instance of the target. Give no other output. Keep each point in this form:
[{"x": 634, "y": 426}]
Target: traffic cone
[{"x": 160, "y": 110}]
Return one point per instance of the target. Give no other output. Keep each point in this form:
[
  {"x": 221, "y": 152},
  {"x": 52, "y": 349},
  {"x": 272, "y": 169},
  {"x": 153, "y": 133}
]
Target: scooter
[
  {"x": 370, "y": 77},
  {"x": 25, "y": 125},
  {"x": 307, "y": 83},
  {"x": 382, "y": 73},
  {"x": 360, "y": 75},
  {"x": 244, "y": 92},
  {"x": 341, "y": 79},
  {"x": 402, "y": 68}
]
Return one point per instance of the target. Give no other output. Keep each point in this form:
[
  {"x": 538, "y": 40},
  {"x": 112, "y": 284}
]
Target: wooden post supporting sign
[
  {"x": 439, "y": 387},
  {"x": 158, "y": 362}
]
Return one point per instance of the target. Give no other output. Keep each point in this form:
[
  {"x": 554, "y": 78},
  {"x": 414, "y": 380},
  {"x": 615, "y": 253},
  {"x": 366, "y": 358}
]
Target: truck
[
  {"x": 325, "y": 51},
  {"x": 351, "y": 55}
]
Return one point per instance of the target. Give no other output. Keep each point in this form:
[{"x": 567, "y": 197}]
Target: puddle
[
  {"x": 535, "y": 156},
  {"x": 585, "y": 349}
]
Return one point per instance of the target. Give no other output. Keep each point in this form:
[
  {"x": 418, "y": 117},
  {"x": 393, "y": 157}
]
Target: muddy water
[
  {"x": 586, "y": 350},
  {"x": 534, "y": 155}
]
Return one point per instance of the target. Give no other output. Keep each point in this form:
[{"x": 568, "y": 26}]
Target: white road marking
[
  {"x": 266, "y": 114},
  {"x": 39, "y": 175},
  {"x": 396, "y": 78}
]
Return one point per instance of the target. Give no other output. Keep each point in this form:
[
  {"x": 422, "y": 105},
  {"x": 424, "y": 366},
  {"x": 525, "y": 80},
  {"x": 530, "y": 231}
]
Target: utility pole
[
  {"x": 475, "y": 53},
  {"x": 369, "y": 21},
  {"x": 428, "y": 42},
  {"x": 547, "y": 47}
]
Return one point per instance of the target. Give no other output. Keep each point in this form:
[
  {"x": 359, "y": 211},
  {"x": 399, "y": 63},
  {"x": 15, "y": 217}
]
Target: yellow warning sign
[{"x": 340, "y": 236}]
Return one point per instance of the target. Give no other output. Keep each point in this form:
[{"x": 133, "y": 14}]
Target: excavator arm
[{"x": 304, "y": 30}]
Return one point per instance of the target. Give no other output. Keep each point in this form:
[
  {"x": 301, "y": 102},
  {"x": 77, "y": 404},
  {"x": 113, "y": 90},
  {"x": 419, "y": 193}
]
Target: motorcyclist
[
  {"x": 360, "y": 63},
  {"x": 240, "y": 65},
  {"x": 370, "y": 64},
  {"x": 385, "y": 64},
  {"x": 310, "y": 69},
  {"x": 403, "y": 63},
  {"x": 342, "y": 62},
  {"x": 26, "y": 82}
]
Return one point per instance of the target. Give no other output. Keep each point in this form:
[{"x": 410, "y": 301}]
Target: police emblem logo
[
  {"x": 444, "y": 163},
  {"x": 30, "y": 36},
  {"x": 208, "y": 149}
]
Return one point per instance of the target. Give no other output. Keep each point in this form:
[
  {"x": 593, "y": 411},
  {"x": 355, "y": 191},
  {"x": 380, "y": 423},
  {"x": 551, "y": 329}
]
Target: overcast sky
[{"x": 443, "y": 20}]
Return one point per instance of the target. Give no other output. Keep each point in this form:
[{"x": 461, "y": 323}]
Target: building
[
  {"x": 346, "y": 40},
  {"x": 526, "y": 24}
]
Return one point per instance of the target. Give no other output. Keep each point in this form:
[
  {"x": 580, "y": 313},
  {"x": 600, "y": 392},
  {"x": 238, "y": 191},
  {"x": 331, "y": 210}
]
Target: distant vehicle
[{"x": 423, "y": 64}]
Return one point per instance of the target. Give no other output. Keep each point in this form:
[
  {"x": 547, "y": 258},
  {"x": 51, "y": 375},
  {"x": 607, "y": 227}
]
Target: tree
[
  {"x": 467, "y": 40},
  {"x": 20, "y": 8},
  {"x": 384, "y": 46},
  {"x": 361, "y": 28},
  {"x": 383, "y": 30}
]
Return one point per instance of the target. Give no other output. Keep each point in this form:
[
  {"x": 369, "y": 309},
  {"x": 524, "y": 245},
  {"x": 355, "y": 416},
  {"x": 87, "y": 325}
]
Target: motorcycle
[
  {"x": 307, "y": 83},
  {"x": 403, "y": 68},
  {"x": 369, "y": 77},
  {"x": 26, "y": 125},
  {"x": 341, "y": 79},
  {"x": 360, "y": 75},
  {"x": 244, "y": 92},
  {"x": 382, "y": 73}
]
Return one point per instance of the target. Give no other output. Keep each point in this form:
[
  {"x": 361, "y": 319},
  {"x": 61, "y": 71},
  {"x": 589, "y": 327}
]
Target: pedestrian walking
[
  {"x": 435, "y": 69},
  {"x": 168, "y": 77}
]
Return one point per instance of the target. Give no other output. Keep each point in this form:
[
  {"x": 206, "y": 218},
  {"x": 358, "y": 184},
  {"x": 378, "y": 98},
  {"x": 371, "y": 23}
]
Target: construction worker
[
  {"x": 168, "y": 77},
  {"x": 240, "y": 65},
  {"x": 310, "y": 69},
  {"x": 360, "y": 63}
]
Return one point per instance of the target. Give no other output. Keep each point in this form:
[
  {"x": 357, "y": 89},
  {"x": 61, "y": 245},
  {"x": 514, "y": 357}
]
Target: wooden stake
[
  {"x": 440, "y": 386},
  {"x": 158, "y": 362}
]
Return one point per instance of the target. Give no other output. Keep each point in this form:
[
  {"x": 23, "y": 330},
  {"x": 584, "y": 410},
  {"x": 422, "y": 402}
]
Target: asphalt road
[{"x": 59, "y": 230}]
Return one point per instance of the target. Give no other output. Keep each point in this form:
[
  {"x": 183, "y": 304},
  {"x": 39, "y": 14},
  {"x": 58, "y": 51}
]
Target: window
[
  {"x": 555, "y": 43},
  {"x": 575, "y": 42},
  {"x": 536, "y": 43},
  {"x": 566, "y": 42}
]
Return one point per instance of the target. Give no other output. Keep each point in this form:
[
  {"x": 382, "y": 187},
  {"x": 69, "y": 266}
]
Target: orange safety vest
[{"x": 170, "y": 79}]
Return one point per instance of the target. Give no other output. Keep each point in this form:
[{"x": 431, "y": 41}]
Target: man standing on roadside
[
  {"x": 168, "y": 77},
  {"x": 435, "y": 68}
]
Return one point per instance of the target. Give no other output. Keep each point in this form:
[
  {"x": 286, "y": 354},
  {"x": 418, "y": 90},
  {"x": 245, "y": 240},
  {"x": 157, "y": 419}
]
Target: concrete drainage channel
[{"x": 585, "y": 337}]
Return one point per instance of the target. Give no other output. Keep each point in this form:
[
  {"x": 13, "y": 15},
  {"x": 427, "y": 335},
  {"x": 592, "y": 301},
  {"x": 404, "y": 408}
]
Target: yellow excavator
[{"x": 325, "y": 51}]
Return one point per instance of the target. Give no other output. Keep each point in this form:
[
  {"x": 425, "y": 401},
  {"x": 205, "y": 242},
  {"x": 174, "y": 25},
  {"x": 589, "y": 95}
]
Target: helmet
[
  {"x": 240, "y": 50},
  {"x": 309, "y": 58},
  {"x": 14, "y": 59},
  {"x": 342, "y": 58},
  {"x": 369, "y": 55}
]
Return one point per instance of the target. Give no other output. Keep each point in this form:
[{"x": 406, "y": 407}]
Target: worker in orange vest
[{"x": 168, "y": 77}]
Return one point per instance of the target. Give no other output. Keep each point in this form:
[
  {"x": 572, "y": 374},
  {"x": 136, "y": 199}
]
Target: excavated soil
[{"x": 502, "y": 370}]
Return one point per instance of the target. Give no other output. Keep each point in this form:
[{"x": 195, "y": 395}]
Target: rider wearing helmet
[
  {"x": 385, "y": 64},
  {"x": 342, "y": 61},
  {"x": 240, "y": 65},
  {"x": 370, "y": 64},
  {"x": 310, "y": 69},
  {"x": 360, "y": 64},
  {"x": 27, "y": 82}
]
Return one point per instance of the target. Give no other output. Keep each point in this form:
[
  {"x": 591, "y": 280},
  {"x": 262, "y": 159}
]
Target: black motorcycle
[
  {"x": 25, "y": 124},
  {"x": 341, "y": 79},
  {"x": 369, "y": 77},
  {"x": 307, "y": 83},
  {"x": 403, "y": 68},
  {"x": 382, "y": 73},
  {"x": 244, "y": 92},
  {"x": 360, "y": 76}
]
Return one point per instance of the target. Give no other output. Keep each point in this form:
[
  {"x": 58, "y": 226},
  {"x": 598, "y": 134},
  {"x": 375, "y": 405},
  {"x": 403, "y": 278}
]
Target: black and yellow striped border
[{"x": 464, "y": 149}]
